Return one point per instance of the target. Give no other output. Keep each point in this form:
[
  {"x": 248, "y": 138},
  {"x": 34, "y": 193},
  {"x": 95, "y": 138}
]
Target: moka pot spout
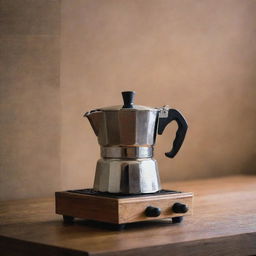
[{"x": 95, "y": 118}]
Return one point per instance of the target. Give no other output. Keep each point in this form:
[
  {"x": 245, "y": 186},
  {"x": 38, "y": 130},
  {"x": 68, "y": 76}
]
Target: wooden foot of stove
[{"x": 119, "y": 210}]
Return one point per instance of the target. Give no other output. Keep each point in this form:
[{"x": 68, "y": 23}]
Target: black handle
[
  {"x": 181, "y": 132},
  {"x": 128, "y": 97}
]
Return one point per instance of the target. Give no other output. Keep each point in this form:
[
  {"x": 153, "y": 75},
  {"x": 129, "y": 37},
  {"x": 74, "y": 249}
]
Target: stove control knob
[
  {"x": 152, "y": 211},
  {"x": 179, "y": 208}
]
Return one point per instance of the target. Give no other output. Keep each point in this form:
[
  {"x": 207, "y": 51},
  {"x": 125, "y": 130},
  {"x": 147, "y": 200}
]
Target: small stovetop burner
[
  {"x": 120, "y": 209},
  {"x": 90, "y": 191}
]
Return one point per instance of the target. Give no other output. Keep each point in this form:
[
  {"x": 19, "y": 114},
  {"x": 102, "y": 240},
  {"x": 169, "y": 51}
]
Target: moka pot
[{"x": 126, "y": 135}]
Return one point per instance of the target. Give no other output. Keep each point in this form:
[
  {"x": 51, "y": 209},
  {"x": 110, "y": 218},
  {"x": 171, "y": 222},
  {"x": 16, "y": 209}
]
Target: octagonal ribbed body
[
  {"x": 125, "y": 128},
  {"x": 126, "y": 137},
  {"x": 127, "y": 176}
]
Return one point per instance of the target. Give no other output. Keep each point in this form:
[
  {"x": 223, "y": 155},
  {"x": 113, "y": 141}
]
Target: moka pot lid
[{"x": 128, "y": 97}]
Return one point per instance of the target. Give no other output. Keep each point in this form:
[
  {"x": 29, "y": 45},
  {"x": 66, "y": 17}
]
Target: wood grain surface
[
  {"x": 223, "y": 223},
  {"x": 87, "y": 207},
  {"x": 119, "y": 210}
]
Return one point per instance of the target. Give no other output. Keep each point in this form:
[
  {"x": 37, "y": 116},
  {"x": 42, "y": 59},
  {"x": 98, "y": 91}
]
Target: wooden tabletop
[{"x": 223, "y": 223}]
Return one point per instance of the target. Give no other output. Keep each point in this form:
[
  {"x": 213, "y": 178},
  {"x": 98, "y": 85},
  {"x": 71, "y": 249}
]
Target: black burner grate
[{"x": 90, "y": 191}]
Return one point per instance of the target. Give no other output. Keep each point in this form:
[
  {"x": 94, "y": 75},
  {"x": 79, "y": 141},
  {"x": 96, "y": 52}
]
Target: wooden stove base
[{"x": 120, "y": 210}]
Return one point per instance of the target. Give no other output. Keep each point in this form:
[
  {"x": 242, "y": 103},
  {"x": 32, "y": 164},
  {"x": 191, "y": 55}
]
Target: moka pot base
[
  {"x": 120, "y": 209},
  {"x": 127, "y": 176},
  {"x": 129, "y": 170}
]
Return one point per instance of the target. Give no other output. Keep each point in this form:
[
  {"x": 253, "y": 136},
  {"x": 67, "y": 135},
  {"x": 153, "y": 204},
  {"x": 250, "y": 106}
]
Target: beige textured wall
[
  {"x": 196, "y": 56},
  {"x": 29, "y": 98}
]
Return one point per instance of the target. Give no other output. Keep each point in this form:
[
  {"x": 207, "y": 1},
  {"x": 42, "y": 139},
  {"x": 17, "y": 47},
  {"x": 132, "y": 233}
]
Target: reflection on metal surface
[
  {"x": 127, "y": 176},
  {"x": 163, "y": 113},
  {"x": 126, "y": 152},
  {"x": 124, "y": 127}
]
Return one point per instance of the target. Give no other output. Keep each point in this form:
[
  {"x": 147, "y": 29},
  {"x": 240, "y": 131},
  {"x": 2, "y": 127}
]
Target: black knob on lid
[
  {"x": 128, "y": 98},
  {"x": 179, "y": 208},
  {"x": 152, "y": 211}
]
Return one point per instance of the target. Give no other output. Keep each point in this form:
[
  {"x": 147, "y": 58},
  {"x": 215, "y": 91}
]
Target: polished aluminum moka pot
[{"x": 126, "y": 135}]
